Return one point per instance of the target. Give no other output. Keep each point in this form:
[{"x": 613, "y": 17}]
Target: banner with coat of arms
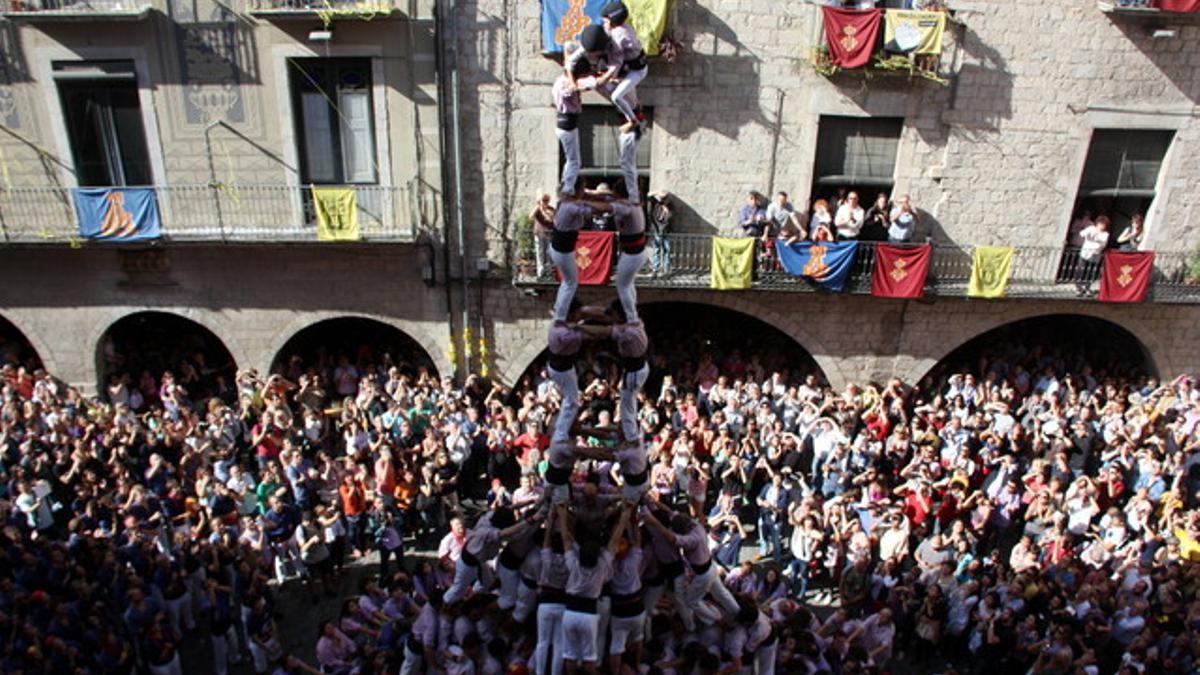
[
  {"x": 900, "y": 271},
  {"x": 564, "y": 20},
  {"x": 593, "y": 258},
  {"x": 124, "y": 214},
  {"x": 1126, "y": 276},
  {"x": 851, "y": 35},
  {"x": 828, "y": 264}
]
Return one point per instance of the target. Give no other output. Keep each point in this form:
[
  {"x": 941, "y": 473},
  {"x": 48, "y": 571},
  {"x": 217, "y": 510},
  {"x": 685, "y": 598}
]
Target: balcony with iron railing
[
  {"x": 326, "y": 10},
  {"x": 233, "y": 213},
  {"x": 77, "y": 10},
  {"x": 1039, "y": 272}
]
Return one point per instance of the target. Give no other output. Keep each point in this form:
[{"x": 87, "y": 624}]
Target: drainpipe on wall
[
  {"x": 444, "y": 44},
  {"x": 458, "y": 194}
]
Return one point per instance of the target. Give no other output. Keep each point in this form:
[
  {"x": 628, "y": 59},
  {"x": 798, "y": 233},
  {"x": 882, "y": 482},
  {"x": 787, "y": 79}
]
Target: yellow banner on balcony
[
  {"x": 337, "y": 213},
  {"x": 991, "y": 267},
  {"x": 649, "y": 20},
  {"x": 732, "y": 263},
  {"x": 911, "y": 32}
]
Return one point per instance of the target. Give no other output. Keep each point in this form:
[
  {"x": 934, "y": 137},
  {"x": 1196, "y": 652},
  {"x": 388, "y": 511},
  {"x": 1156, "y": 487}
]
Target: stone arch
[
  {"x": 530, "y": 352},
  {"x": 21, "y": 346},
  {"x": 378, "y": 331},
  {"x": 1033, "y": 319},
  {"x": 157, "y": 340}
]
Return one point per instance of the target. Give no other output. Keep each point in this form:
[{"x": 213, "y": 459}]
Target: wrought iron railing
[
  {"x": 346, "y": 7},
  {"x": 685, "y": 261},
  {"x": 80, "y": 7},
  {"x": 215, "y": 213}
]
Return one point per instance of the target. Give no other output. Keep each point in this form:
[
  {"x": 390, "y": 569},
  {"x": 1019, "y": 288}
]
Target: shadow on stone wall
[
  {"x": 13, "y": 67},
  {"x": 1174, "y": 57},
  {"x": 981, "y": 91},
  {"x": 717, "y": 73}
]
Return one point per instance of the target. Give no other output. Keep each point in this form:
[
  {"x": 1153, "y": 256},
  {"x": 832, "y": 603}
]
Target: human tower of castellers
[{"x": 595, "y": 590}]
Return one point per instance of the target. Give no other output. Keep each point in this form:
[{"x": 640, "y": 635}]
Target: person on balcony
[
  {"x": 903, "y": 221},
  {"x": 878, "y": 220},
  {"x": 820, "y": 225},
  {"x": 1131, "y": 237},
  {"x": 752, "y": 219},
  {"x": 542, "y": 217},
  {"x": 850, "y": 218},
  {"x": 661, "y": 212},
  {"x": 1091, "y": 252}
]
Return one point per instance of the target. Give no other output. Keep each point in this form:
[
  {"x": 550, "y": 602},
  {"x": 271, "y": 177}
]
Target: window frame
[
  {"x": 296, "y": 68},
  {"x": 96, "y": 81},
  {"x": 827, "y": 182}
]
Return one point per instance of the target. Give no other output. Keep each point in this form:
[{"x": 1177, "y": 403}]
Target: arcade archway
[
  {"x": 685, "y": 334},
  {"x": 1066, "y": 343},
  {"x": 364, "y": 343},
  {"x": 138, "y": 349},
  {"x": 15, "y": 348}
]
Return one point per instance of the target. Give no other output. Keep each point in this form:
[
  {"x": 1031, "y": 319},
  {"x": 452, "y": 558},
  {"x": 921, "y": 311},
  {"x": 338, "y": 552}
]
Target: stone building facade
[{"x": 995, "y": 156}]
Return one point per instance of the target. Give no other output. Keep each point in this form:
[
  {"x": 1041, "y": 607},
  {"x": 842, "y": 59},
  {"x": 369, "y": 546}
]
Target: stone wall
[
  {"x": 216, "y": 84},
  {"x": 995, "y": 157},
  {"x": 255, "y": 298}
]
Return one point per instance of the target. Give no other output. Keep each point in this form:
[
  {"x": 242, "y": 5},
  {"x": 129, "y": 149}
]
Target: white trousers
[
  {"x": 225, "y": 650},
  {"x": 631, "y": 384},
  {"x": 567, "y": 382},
  {"x": 550, "y": 641},
  {"x": 627, "y": 145},
  {"x": 465, "y": 576},
  {"x": 179, "y": 611},
  {"x": 626, "y": 630},
  {"x": 510, "y": 581},
  {"x": 579, "y": 631},
  {"x": 526, "y": 601},
  {"x": 764, "y": 659},
  {"x": 627, "y": 268},
  {"x": 603, "y": 615},
  {"x": 569, "y": 140},
  {"x": 565, "y": 262},
  {"x": 412, "y": 661},
  {"x": 625, "y": 95},
  {"x": 172, "y": 668},
  {"x": 705, "y": 584}
]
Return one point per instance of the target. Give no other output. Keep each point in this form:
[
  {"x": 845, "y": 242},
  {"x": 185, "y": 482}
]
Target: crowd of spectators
[
  {"x": 841, "y": 217},
  {"x": 1032, "y": 511}
]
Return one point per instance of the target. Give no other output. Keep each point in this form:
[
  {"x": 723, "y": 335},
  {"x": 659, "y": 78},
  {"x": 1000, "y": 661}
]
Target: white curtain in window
[
  {"x": 318, "y": 138},
  {"x": 358, "y": 149}
]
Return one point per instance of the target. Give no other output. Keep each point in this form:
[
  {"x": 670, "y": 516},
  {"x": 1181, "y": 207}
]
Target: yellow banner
[
  {"x": 649, "y": 20},
  {"x": 991, "y": 267},
  {"x": 337, "y": 213},
  {"x": 911, "y": 32},
  {"x": 732, "y": 263}
]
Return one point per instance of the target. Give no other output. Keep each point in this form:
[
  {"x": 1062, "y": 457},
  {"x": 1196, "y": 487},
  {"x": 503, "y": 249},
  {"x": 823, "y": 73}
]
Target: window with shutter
[
  {"x": 334, "y": 120},
  {"x": 856, "y": 153},
  {"x": 599, "y": 128},
  {"x": 1120, "y": 174},
  {"x": 103, "y": 117}
]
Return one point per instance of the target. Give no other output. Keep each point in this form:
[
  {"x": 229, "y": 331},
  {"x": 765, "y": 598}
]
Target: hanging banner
[
  {"x": 828, "y": 264},
  {"x": 564, "y": 20},
  {"x": 910, "y": 32},
  {"x": 732, "y": 263},
  {"x": 900, "y": 271},
  {"x": 991, "y": 267},
  {"x": 1126, "y": 276},
  {"x": 593, "y": 258},
  {"x": 649, "y": 21},
  {"x": 125, "y": 214},
  {"x": 851, "y": 35},
  {"x": 1181, "y": 6},
  {"x": 337, "y": 213}
]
